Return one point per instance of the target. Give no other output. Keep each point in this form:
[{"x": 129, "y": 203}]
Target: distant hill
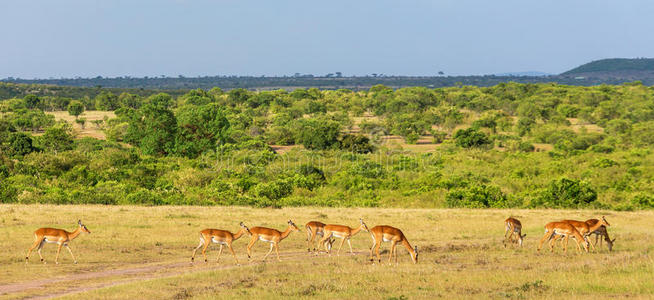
[{"x": 623, "y": 68}]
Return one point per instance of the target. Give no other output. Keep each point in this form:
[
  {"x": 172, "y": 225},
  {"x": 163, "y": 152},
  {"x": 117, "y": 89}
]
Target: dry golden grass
[
  {"x": 543, "y": 147},
  {"x": 90, "y": 130},
  {"x": 461, "y": 255}
]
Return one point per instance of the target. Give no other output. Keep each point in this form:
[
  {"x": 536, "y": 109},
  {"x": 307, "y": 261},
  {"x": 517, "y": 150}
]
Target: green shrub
[
  {"x": 356, "y": 143},
  {"x": 566, "y": 193},
  {"x": 318, "y": 134},
  {"x": 20, "y": 144},
  {"x": 274, "y": 190},
  {"x": 477, "y": 196},
  {"x": 470, "y": 137},
  {"x": 526, "y": 147},
  {"x": 8, "y": 193},
  {"x": 604, "y": 163},
  {"x": 643, "y": 201},
  {"x": 144, "y": 197}
]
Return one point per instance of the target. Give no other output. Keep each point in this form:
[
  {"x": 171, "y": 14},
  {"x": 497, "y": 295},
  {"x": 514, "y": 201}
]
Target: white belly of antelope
[
  {"x": 218, "y": 241},
  {"x": 51, "y": 240}
]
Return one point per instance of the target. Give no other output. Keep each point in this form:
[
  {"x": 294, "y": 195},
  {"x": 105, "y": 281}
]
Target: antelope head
[
  {"x": 292, "y": 225},
  {"x": 83, "y": 227},
  {"x": 246, "y": 228},
  {"x": 363, "y": 225}
]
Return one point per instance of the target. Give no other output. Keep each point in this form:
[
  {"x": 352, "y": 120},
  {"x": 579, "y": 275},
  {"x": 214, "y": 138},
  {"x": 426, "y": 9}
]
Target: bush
[
  {"x": 468, "y": 138},
  {"x": 643, "y": 201},
  {"x": 566, "y": 193},
  {"x": 20, "y": 144},
  {"x": 274, "y": 190},
  {"x": 309, "y": 170},
  {"x": 439, "y": 136},
  {"x": 58, "y": 137},
  {"x": 604, "y": 163},
  {"x": 357, "y": 144},
  {"x": 8, "y": 193},
  {"x": 144, "y": 196},
  {"x": 477, "y": 196},
  {"x": 75, "y": 108},
  {"x": 106, "y": 101},
  {"x": 526, "y": 147}
]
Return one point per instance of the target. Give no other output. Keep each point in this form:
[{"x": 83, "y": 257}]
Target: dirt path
[{"x": 138, "y": 273}]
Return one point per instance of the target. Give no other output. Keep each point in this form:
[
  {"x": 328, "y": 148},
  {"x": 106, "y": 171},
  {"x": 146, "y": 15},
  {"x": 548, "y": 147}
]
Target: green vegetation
[{"x": 510, "y": 145}]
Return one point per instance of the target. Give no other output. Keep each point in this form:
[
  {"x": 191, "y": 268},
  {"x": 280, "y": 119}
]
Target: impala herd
[{"x": 328, "y": 233}]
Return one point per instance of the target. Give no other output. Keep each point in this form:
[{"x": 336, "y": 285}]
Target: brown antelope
[
  {"x": 513, "y": 225},
  {"x": 564, "y": 229},
  {"x": 343, "y": 232},
  {"x": 585, "y": 229},
  {"x": 59, "y": 236},
  {"x": 218, "y": 236},
  {"x": 384, "y": 233},
  {"x": 272, "y": 236},
  {"x": 315, "y": 228},
  {"x": 601, "y": 231}
]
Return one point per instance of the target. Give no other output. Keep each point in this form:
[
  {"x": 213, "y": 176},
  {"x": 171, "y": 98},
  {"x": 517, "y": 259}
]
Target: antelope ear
[
  {"x": 242, "y": 225},
  {"x": 416, "y": 249},
  {"x": 79, "y": 222}
]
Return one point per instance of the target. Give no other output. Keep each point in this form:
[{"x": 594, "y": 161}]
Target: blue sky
[{"x": 45, "y": 38}]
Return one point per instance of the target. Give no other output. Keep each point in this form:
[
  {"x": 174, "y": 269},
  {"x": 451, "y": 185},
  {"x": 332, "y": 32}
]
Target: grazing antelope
[
  {"x": 601, "y": 231},
  {"x": 315, "y": 228},
  {"x": 59, "y": 236},
  {"x": 384, "y": 233},
  {"x": 272, "y": 236},
  {"x": 342, "y": 232},
  {"x": 585, "y": 229},
  {"x": 564, "y": 229},
  {"x": 218, "y": 236},
  {"x": 513, "y": 225}
]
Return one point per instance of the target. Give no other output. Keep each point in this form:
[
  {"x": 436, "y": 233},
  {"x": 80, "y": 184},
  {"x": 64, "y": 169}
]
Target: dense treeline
[
  {"x": 356, "y": 83},
  {"x": 67, "y": 93},
  {"x": 510, "y": 145}
]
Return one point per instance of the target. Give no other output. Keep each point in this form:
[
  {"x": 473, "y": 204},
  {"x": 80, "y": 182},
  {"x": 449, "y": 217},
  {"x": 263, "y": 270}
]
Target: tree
[
  {"x": 470, "y": 137},
  {"x": 20, "y": 144},
  {"x": 566, "y": 193},
  {"x": 31, "y": 101},
  {"x": 106, "y": 101},
  {"x": 356, "y": 143},
  {"x": 196, "y": 97},
  {"x": 200, "y": 128},
  {"x": 130, "y": 100},
  {"x": 153, "y": 127},
  {"x": 81, "y": 122},
  {"x": 58, "y": 137},
  {"x": 75, "y": 108},
  {"x": 318, "y": 134}
]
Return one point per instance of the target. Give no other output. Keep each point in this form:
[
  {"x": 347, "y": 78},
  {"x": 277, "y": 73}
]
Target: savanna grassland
[
  {"x": 146, "y": 171},
  {"x": 144, "y": 252}
]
